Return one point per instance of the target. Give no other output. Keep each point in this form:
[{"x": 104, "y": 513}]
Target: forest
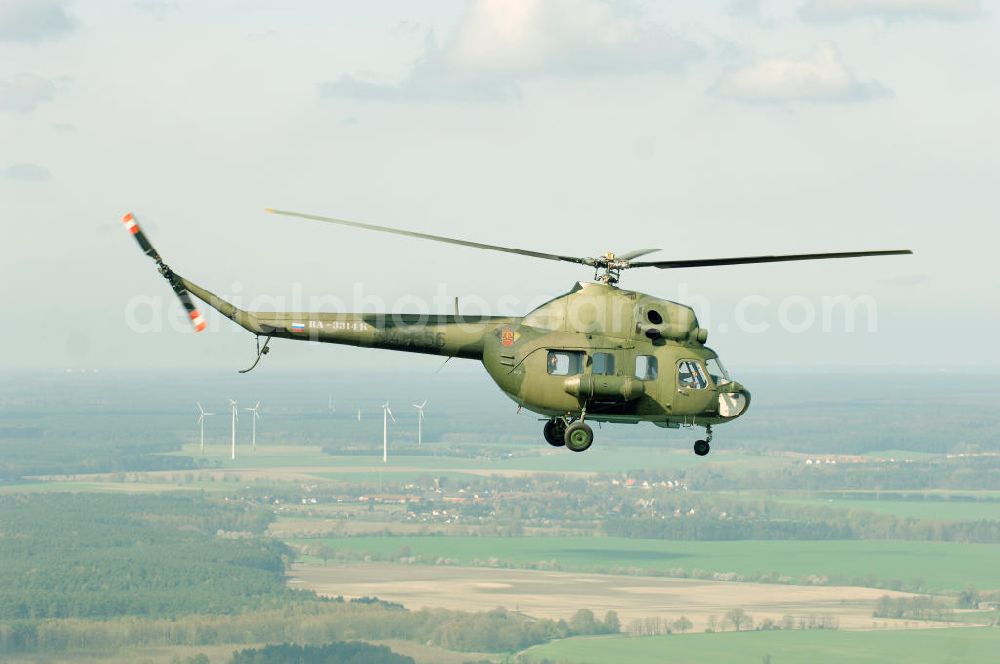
[
  {"x": 101, "y": 555},
  {"x": 190, "y": 570}
]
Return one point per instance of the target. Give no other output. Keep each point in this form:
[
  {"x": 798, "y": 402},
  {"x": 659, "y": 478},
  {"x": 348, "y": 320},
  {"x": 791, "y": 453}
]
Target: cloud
[
  {"x": 34, "y": 20},
  {"x": 27, "y": 172},
  {"x": 822, "y": 78},
  {"x": 500, "y": 43},
  {"x": 24, "y": 92},
  {"x": 156, "y": 6},
  {"x": 749, "y": 9},
  {"x": 835, "y": 11}
]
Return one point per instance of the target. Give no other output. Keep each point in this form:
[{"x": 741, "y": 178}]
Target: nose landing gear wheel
[
  {"x": 579, "y": 437},
  {"x": 701, "y": 447},
  {"x": 555, "y": 432}
]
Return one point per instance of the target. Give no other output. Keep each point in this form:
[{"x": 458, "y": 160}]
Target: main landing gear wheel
[
  {"x": 579, "y": 437},
  {"x": 701, "y": 447},
  {"x": 555, "y": 432}
]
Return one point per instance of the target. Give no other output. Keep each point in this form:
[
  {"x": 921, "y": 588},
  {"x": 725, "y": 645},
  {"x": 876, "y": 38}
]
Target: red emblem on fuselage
[{"x": 506, "y": 337}]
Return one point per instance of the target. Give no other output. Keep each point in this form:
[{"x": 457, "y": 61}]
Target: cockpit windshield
[{"x": 718, "y": 372}]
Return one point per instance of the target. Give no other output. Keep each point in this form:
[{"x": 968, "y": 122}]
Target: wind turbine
[
  {"x": 235, "y": 419},
  {"x": 256, "y": 416},
  {"x": 201, "y": 422},
  {"x": 420, "y": 421},
  {"x": 330, "y": 405},
  {"x": 386, "y": 414},
  {"x": 359, "y": 413}
]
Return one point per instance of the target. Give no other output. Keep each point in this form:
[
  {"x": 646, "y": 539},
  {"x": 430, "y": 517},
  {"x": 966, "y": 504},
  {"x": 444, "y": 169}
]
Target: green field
[
  {"x": 929, "y": 646},
  {"x": 108, "y": 487},
  {"x": 599, "y": 459},
  {"x": 936, "y": 510},
  {"x": 941, "y": 566},
  {"x": 373, "y": 476}
]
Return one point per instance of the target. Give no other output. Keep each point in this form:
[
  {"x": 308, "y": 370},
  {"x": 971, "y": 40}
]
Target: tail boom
[{"x": 451, "y": 336}]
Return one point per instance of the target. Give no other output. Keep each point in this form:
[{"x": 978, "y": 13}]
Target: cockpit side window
[
  {"x": 717, "y": 371},
  {"x": 690, "y": 374},
  {"x": 565, "y": 362},
  {"x": 646, "y": 367}
]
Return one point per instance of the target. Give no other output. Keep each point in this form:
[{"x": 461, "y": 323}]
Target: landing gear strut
[
  {"x": 702, "y": 447},
  {"x": 563, "y": 431}
]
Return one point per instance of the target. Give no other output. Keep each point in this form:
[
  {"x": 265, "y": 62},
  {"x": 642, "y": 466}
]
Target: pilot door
[{"x": 693, "y": 391}]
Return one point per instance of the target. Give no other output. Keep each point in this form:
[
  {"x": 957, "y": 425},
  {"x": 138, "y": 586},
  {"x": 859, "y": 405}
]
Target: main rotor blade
[
  {"x": 428, "y": 236},
  {"x": 627, "y": 256},
  {"x": 743, "y": 260}
]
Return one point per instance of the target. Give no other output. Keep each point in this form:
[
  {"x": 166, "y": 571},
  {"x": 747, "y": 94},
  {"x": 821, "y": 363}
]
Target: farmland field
[
  {"x": 614, "y": 457},
  {"x": 969, "y": 646},
  {"x": 558, "y": 595},
  {"x": 940, "y": 566},
  {"x": 937, "y": 510}
]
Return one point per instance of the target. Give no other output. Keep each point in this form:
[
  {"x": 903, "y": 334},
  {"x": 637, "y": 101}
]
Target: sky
[{"x": 705, "y": 129}]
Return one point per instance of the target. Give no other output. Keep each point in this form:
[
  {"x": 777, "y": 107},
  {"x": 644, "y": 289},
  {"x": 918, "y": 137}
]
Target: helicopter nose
[{"x": 734, "y": 401}]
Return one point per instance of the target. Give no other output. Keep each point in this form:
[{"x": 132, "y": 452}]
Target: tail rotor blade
[
  {"x": 132, "y": 226},
  {"x": 197, "y": 320}
]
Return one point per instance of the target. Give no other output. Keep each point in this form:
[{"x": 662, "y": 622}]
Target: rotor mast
[{"x": 608, "y": 268}]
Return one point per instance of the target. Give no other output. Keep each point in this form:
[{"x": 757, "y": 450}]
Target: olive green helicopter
[{"x": 598, "y": 353}]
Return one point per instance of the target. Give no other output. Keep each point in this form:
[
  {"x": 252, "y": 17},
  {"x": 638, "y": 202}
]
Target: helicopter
[{"x": 597, "y": 353}]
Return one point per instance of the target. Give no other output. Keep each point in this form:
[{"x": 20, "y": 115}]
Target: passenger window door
[
  {"x": 564, "y": 362},
  {"x": 646, "y": 367},
  {"x": 602, "y": 364}
]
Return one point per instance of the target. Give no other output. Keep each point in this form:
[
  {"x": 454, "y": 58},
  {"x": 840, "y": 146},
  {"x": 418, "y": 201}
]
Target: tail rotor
[{"x": 197, "y": 320}]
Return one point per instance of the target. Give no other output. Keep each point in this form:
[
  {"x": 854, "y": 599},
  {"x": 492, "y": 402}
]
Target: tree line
[
  {"x": 305, "y": 623},
  {"x": 340, "y": 652}
]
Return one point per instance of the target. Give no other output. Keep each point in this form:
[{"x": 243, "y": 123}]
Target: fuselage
[{"x": 615, "y": 355}]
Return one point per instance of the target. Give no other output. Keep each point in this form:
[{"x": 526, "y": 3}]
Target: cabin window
[
  {"x": 646, "y": 367},
  {"x": 604, "y": 364},
  {"x": 690, "y": 374},
  {"x": 654, "y": 317},
  {"x": 565, "y": 362}
]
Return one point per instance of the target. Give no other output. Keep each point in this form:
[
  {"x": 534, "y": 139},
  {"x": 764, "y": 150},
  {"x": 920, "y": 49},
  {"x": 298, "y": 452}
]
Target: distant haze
[{"x": 573, "y": 126}]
